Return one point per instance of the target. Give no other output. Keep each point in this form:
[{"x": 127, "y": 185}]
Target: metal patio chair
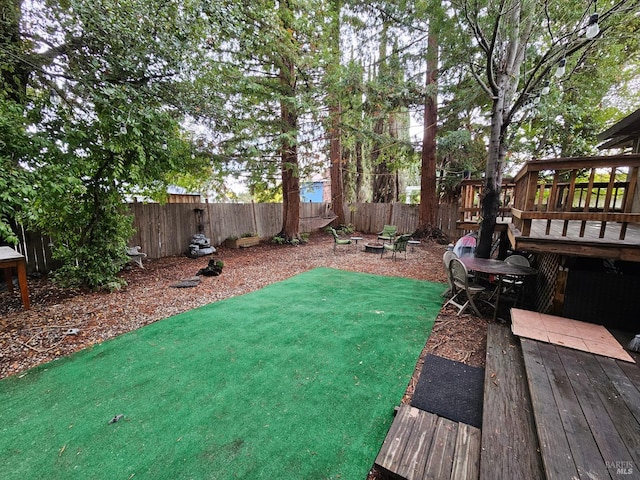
[
  {"x": 398, "y": 245},
  {"x": 337, "y": 240},
  {"x": 464, "y": 292},
  {"x": 388, "y": 233},
  {"x": 513, "y": 284},
  {"x": 446, "y": 259}
]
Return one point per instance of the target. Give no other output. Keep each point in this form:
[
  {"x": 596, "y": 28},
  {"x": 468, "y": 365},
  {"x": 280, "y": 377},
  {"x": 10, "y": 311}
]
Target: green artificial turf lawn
[{"x": 294, "y": 381}]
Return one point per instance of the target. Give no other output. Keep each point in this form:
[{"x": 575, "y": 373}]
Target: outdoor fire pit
[{"x": 373, "y": 247}]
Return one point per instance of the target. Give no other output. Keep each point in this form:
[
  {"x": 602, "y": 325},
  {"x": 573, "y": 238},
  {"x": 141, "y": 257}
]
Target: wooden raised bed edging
[{"x": 242, "y": 242}]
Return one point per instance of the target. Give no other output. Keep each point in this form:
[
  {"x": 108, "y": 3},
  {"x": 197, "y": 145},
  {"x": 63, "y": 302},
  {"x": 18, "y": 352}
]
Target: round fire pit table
[{"x": 373, "y": 247}]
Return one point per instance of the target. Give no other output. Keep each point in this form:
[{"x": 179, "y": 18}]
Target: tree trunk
[
  {"x": 383, "y": 182},
  {"x": 289, "y": 151},
  {"x": 427, "y": 212},
  {"x": 360, "y": 197},
  {"x": 290, "y": 194},
  {"x": 335, "y": 144},
  {"x": 335, "y": 154},
  {"x": 493, "y": 174},
  {"x": 290, "y": 180}
]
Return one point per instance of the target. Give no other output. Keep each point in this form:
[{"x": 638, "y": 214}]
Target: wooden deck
[
  {"x": 571, "y": 243},
  {"x": 596, "y": 401},
  {"x": 509, "y": 441},
  {"x": 590, "y": 244},
  {"x": 549, "y": 412},
  {"x": 584, "y": 206}
]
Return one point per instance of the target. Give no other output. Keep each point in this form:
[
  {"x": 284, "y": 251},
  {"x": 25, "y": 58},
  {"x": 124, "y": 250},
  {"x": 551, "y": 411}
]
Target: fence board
[
  {"x": 35, "y": 248},
  {"x": 370, "y": 217},
  {"x": 405, "y": 217},
  {"x": 446, "y": 220},
  {"x": 268, "y": 219}
]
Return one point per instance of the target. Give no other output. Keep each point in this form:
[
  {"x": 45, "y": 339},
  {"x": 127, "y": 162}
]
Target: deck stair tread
[
  {"x": 550, "y": 412},
  {"x": 421, "y": 445}
]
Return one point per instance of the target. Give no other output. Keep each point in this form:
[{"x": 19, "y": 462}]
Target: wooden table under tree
[{"x": 10, "y": 259}]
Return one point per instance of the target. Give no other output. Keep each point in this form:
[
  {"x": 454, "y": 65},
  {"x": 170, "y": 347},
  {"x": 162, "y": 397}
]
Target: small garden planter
[{"x": 242, "y": 242}]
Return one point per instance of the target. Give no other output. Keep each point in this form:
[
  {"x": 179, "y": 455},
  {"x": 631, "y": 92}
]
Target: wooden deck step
[
  {"x": 509, "y": 439},
  {"x": 422, "y": 445}
]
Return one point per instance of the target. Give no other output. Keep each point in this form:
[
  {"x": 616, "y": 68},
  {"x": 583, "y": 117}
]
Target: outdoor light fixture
[
  {"x": 592, "y": 26},
  {"x": 562, "y": 68},
  {"x": 545, "y": 89}
]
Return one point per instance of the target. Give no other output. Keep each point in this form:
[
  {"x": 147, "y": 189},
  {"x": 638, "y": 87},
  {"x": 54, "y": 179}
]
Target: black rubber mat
[{"x": 451, "y": 390}]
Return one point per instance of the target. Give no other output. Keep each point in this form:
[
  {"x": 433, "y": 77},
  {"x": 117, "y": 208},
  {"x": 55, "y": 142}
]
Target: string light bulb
[
  {"x": 593, "y": 28},
  {"x": 545, "y": 89},
  {"x": 562, "y": 68}
]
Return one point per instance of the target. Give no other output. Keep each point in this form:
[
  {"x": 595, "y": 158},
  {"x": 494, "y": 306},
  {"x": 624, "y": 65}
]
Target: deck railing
[
  {"x": 471, "y": 195},
  {"x": 582, "y": 189}
]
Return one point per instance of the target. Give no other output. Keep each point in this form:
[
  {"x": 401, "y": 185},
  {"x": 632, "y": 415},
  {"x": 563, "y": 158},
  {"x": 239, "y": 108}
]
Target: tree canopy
[
  {"x": 94, "y": 94},
  {"x": 514, "y": 48},
  {"x": 108, "y": 98}
]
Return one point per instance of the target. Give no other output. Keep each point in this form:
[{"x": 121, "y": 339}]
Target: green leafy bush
[
  {"x": 90, "y": 230},
  {"x": 15, "y": 181}
]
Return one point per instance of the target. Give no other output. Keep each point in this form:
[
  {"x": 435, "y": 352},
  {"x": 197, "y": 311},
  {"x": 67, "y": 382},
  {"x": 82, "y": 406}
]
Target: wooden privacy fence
[
  {"x": 372, "y": 217},
  {"x": 166, "y": 230}
]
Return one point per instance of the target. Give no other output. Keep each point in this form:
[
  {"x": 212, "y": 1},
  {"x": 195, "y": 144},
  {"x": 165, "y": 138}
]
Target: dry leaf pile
[{"x": 61, "y": 322}]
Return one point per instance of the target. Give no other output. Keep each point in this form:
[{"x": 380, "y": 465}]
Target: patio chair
[
  {"x": 398, "y": 245},
  {"x": 463, "y": 290},
  {"x": 388, "y": 233},
  {"x": 337, "y": 240},
  {"x": 446, "y": 259},
  {"x": 514, "y": 283}
]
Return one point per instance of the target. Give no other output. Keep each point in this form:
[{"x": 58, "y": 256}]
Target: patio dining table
[{"x": 500, "y": 269}]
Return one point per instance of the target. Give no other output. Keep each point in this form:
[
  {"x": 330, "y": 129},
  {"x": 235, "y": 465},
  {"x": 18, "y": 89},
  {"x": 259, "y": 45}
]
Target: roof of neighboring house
[{"x": 622, "y": 134}]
